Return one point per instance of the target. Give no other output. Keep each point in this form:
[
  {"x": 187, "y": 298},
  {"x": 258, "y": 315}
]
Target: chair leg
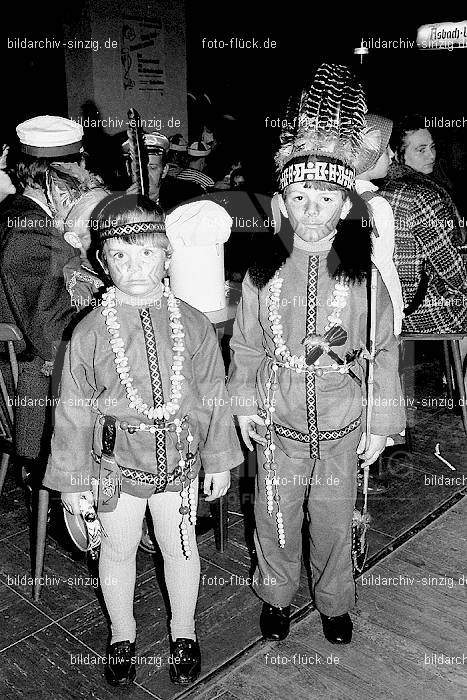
[
  {"x": 3, "y": 469},
  {"x": 408, "y": 438},
  {"x": 448, "y": 369},
  {"x": 41, "y": 535},
  {"x": 459, "y": 375},
  {"x": 380, "y": 467},
  {"x": 219, "y": 513}
]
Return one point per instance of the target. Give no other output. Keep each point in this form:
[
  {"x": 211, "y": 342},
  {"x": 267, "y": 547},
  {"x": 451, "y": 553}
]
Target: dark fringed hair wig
[{"x": 349, "y": 257}]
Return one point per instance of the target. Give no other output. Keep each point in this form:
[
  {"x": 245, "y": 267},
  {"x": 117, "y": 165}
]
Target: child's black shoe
[
  {"x": 274, "y": 622},
  {"x": 185, "y": 661},
  {"x": 120, "y": 668}
]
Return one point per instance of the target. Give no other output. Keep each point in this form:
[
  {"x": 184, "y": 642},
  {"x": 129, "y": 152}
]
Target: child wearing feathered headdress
[{"x": 297, "y": 375}]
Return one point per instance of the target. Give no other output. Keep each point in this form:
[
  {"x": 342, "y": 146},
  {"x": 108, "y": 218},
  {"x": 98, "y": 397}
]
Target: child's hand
[
  {"x": 219, "y": 483},
  {"x": 375, "y": 448},
  {"x": 246, "y": 424},
  {"x": 70, "y": 501}
]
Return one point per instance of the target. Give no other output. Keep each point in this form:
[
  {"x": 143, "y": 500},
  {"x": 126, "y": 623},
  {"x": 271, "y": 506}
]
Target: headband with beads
[{"x": 129, "y": 229}]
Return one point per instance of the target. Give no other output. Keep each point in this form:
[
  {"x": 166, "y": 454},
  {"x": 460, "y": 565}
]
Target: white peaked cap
[
  {"x": 198, "y": 224},
  {"x": 153, "y": 141},
  {"x": 50, "y": 136}
]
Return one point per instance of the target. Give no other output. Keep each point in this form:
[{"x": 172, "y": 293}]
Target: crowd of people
[{"x": 81, "y": 276}]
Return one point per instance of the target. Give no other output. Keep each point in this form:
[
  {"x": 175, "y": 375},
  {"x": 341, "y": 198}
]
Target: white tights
[{"x": 117, "y": 562}]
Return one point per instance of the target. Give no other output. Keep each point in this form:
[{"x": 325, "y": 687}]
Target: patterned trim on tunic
[
  {"x": 324, "y": 435},
  {"x": 157, "y": 392},
  {"x": 311, "y": 312},
  {"x": 150, "y": 478},
  {"x": 155, "y": 479}
]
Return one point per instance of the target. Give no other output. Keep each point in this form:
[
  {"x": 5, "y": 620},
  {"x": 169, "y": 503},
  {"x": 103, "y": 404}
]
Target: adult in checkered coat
[{"x": 427, "y": 235}]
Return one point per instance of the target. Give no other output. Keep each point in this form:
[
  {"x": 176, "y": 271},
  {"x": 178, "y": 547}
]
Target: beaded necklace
[
  {"x": 338, "y": 302},
  {"x": 135, "y": 401}
]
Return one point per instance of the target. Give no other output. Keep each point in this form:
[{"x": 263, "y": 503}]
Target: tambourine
[{"x": 84, "y": 529}]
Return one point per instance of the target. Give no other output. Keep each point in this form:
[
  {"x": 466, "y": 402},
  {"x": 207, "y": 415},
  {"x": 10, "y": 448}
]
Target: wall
[{"x": 96, "y": 73}]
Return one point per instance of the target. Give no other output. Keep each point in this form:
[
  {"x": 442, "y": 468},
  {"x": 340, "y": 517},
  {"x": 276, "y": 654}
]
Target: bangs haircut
[
  {"x": 320, "y": 186},
  {"x": 118, "y": 210}
]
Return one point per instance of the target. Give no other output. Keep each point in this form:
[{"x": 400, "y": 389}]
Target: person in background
[
  {"x": 81, "y": 279},
  {"x": 373, "y": 165},
  {"x": 415, "y": 148},
  {"x": 237, "y": 180},
  {"x": 431, "y": 269},
  {"x": 157, "y": 146},
  {"x": 177, "y": 154},
  {"x": 194, "y": 172},
  {"x": 33, "y": 254},
  {"x": 6, "y": 185},
  {"x": 208, "y": 137}
]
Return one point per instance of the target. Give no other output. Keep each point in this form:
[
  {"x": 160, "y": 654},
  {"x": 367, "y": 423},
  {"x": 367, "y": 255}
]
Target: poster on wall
[{"x": 142, "y": 54}]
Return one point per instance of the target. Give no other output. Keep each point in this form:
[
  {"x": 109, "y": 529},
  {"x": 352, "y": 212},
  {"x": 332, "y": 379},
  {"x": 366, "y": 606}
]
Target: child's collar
[
  {"x": 143, "y": 301},
  {"x": 315, "y": 246}
]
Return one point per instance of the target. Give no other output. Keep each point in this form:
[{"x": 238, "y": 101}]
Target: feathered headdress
[{"x": 323, "y": 137}]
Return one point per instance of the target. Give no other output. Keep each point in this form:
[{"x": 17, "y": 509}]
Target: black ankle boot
[
  {"x": 185, "y": 660},
  {"x": 337, "y": 630},
  {"x": 275, "y": 622},
  {"x": 120, "y": 668}
]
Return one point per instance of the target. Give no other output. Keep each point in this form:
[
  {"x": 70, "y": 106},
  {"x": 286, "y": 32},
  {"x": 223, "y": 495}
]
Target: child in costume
[
  {"x": 297, "y": 373},
  {"x": 143, "y": 403},
  {"x": 81, "y": 280},
  {"x": 373, "y": 164}
]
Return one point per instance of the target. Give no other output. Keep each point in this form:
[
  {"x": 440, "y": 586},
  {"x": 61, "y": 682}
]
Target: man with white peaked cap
[
  {"x": 197, "y": 154},
  {"x": 157, "y": 146},
  {"x": 33, "y": 254}
]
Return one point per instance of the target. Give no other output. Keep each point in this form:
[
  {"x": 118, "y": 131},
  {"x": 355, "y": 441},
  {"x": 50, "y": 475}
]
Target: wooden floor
[
  {"x": 53, "y": 649},
  {"x": 409, "y": 641}
]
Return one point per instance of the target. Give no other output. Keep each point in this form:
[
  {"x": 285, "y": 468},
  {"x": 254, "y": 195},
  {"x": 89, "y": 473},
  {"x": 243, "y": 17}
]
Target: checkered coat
[{"x": 427, "y": 229}]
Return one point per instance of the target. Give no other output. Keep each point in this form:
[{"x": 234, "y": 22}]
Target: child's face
[
  {"x": 136, "y": 270},
  {"x": 313, "y": 214}
]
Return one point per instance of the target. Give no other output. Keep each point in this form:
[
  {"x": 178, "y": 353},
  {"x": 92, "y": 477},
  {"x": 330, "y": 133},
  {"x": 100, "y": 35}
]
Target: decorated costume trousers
[
  {"x": 117, "y": 563},
  {"x": 324, "y": 491}
]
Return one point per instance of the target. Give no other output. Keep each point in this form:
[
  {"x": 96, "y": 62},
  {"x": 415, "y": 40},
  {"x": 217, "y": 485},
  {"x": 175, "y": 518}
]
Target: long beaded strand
[
  {"x": 271, "y": 480},
  {"x": 298, "y": 363}
]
